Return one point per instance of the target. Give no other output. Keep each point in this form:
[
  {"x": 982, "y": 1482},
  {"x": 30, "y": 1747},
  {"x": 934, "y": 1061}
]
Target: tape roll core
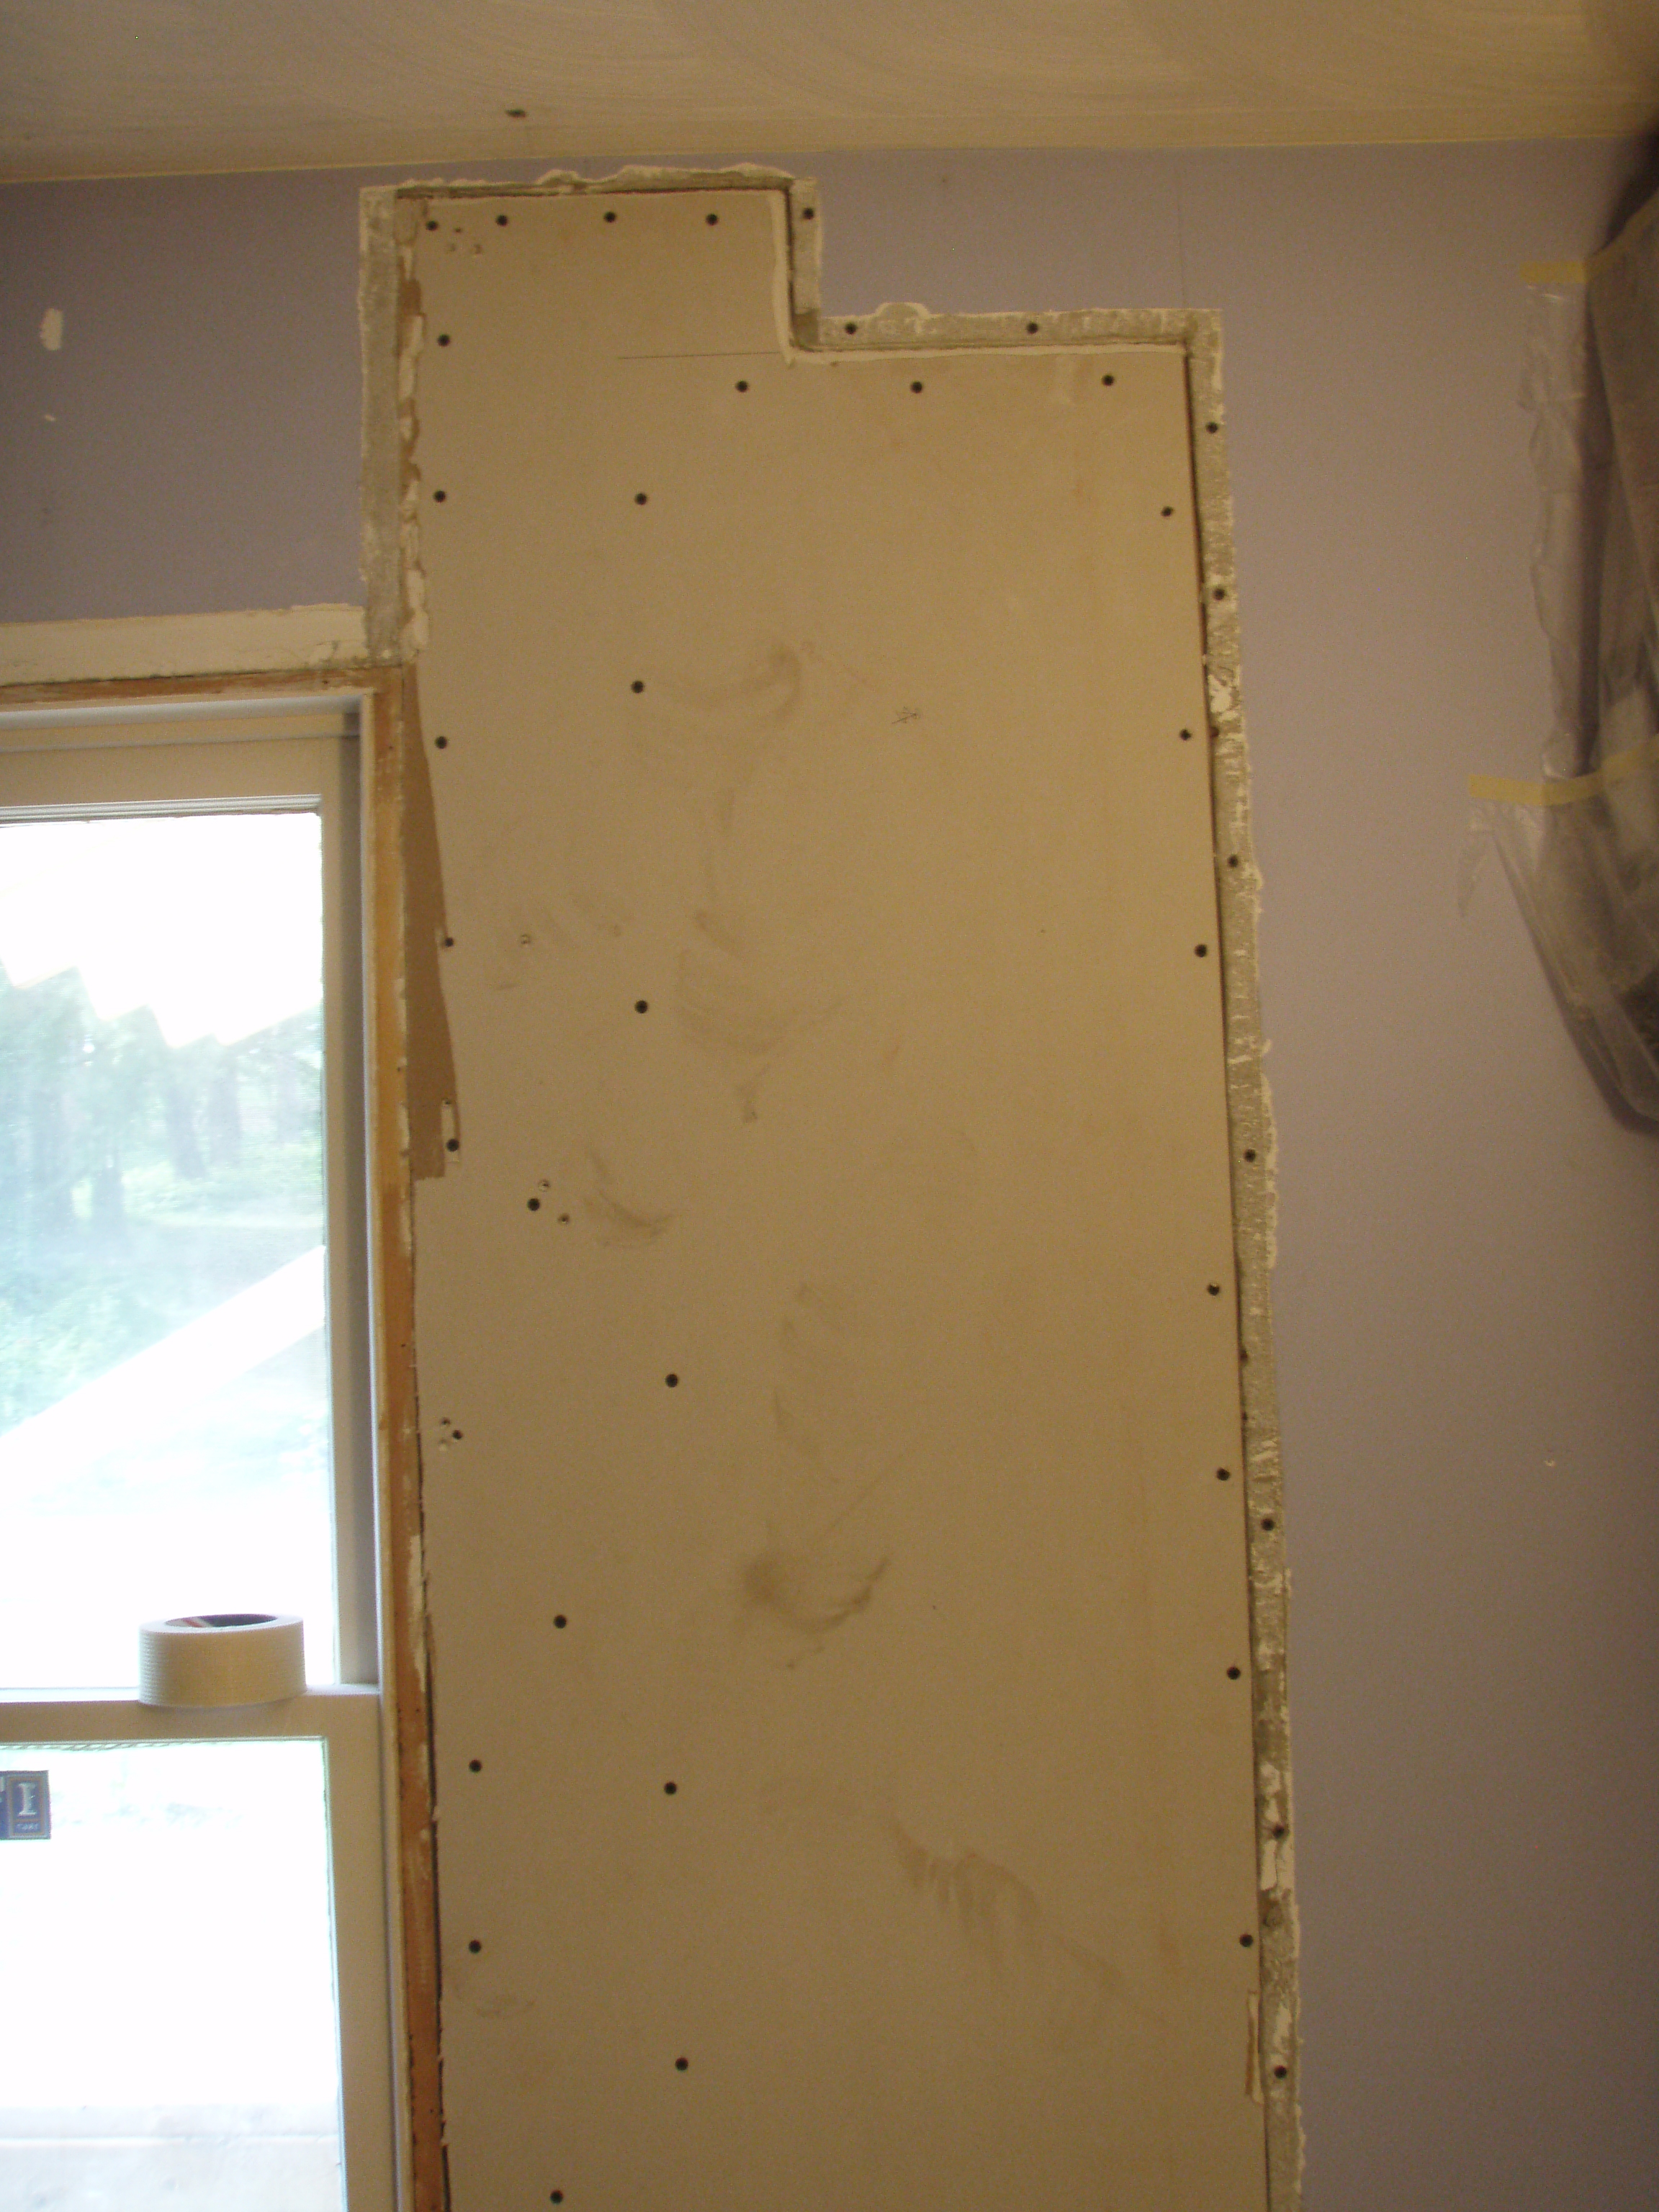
[{"x": 200, "y": 1659}]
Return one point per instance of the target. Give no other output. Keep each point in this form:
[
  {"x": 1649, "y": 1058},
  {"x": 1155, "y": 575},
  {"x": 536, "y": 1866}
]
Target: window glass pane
[
  {"x": 164, "y": 1399},
  {"x": 167, "y": 2036}
]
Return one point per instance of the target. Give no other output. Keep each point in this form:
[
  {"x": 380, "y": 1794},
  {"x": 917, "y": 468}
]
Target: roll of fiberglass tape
[{"x": 222, "y": 1659}]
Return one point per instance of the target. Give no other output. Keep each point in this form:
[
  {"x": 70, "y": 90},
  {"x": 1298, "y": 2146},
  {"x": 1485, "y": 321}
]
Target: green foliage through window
[{"x": 146, "y": 1182}]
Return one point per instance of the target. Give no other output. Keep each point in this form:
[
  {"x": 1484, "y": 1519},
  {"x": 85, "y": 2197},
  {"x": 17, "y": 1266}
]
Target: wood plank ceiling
[{"x": 115, "y": 86}]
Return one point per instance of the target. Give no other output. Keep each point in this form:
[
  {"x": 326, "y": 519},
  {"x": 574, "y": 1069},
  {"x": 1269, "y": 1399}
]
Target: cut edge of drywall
[
  {"x": 1255, "y": 1165},
  {"x": 378, "y": 278},
  {"x": 393, "y": 337}
]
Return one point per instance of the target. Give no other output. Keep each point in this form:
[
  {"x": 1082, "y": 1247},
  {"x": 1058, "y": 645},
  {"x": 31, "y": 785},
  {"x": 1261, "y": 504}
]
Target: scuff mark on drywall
[
  {"x": 615, "y": 1222},
  {"x": 433, "y": 1108},
  {"x": 709, "y": 737},
  {"x": 838, "y": 1439},
  {"x": 742, "y": 989},
  {"x": 733, "y": 1001},
  {"x": 52, "y": 330},
  {"x": 823, "y": 1563},
  {"x": 998, "y": 1917},
  {"x": 502, "y": 2006},
  {"x": 802, "y": 1597}
]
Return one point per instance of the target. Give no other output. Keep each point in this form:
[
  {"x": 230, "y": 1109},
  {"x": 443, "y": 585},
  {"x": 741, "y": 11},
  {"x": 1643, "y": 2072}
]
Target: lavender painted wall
[{"x": 1467, "y": 1296}]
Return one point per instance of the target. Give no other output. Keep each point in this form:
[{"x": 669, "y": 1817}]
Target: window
[{"x": 193, "y": 1936}]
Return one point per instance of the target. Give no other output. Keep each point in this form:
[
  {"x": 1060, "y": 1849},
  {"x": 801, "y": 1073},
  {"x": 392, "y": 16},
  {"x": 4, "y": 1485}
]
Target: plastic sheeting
[{"x": 1581, "y": 848}]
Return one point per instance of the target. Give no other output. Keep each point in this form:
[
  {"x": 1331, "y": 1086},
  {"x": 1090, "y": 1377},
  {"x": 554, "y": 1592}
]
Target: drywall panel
[{"x": 826, "y": 1319}]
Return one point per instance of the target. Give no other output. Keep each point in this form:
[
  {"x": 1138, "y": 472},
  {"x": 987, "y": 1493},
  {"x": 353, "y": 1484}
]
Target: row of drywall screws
[
  {"x": 1032, "y": 328},
  {"x": 503, "y": 220},
  {"x": 643, "y": 1005}
]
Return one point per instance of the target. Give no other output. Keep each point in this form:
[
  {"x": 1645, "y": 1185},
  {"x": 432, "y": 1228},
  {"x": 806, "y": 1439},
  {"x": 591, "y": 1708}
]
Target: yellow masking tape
[
  {"x": 1554, "y": 272},
  {"x": 1566, "y": 790}
]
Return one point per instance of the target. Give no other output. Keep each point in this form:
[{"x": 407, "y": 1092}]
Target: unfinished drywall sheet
[{"x": 827, "y": 1331}]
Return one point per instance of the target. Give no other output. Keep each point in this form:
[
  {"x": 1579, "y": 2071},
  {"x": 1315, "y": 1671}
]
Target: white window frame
[{"x": 271, "y": 752}]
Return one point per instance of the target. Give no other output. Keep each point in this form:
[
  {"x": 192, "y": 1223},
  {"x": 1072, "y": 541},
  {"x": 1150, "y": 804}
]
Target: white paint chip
[{"x": 51, "y": 329}]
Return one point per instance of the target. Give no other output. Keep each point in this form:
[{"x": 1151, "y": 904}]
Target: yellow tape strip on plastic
[
  {"x": 1554, "y": 272},
  {"x": 1567, "y": 790}
]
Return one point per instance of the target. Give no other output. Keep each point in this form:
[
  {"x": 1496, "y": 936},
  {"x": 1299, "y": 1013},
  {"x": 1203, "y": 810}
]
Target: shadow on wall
[{"x": 1641, "y": 186}]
